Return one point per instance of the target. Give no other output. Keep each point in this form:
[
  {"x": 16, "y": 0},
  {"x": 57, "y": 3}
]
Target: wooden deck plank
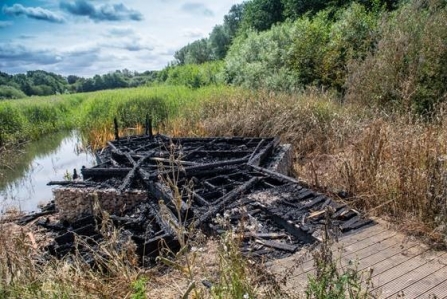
[
  {"x": 396, "y": 279},
  {"x": 362, "y": 234},
  {"x": 355, "y": 251},
  {"x": 379, "y": 256},
  {"x": 398, "y": 264},
  {"x": 439, "y": 290},
  {"x": 348, "y": 239},
  {"x": 397, "y": 259},
  {"x": 427, "y": 283}
]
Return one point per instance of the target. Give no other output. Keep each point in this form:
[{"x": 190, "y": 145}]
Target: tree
[
  {"x": 262, "y": 14},
  {"x": 233, "y": 20},
  {"x": 72, "y": 79},
  {"x": 219, "y": 41}
]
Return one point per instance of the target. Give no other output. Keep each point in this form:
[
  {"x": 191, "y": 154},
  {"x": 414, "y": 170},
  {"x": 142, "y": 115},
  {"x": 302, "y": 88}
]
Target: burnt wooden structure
[{"x": 192, "y": 181}]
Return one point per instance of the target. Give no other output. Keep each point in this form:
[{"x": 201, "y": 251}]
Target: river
[{"x": 23, "y": 184}]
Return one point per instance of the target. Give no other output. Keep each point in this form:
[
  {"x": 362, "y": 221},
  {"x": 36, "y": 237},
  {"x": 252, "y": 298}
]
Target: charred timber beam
[
  {"x": 270, "y": 236},
  {"x": 161, "y": 191},
  {"x": 192, "y": 152},
  {"x": 278, "y": 176},
  {"x": 164, "y": 224},
  {"x": 131, "y": 175},
  {"x": 226, "y": 199},
  {"x": 289, "y": 226},
  {"x": 148, "y": 127},
  {"x": 220, "y": 153},
  {"x": 278, "y": 245},
  {"x": 256, "y": 149},
  {"x": 73, "y": 183},
  {"x": 181, "y": 162},
  {"x": 209, "y": 168},
  {"x": 104, "y": 172},
  {"x": 115, "y": 122},
  {"x": 260, "y": 157}
]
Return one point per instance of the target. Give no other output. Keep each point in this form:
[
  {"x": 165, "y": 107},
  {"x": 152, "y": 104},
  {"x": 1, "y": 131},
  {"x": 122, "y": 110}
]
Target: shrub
[
  {"x": 10, "y": 92},
  {"x": 193, "y": 75},
  {"x": 310, "y": 51},
  {"x": 409, "y": 68}
]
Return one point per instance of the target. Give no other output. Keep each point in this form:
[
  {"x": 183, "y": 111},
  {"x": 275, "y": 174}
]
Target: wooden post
[
  {"x": 149, "y": 126},
  {"x": 115, "y": 121},
  {"x": 146, "y": 125}
]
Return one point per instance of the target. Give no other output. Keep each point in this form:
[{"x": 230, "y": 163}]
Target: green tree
[
  {"x": 9, "y": 92},
  {"x": 233, "y": 20},
  {"x": 219, "y": 42},
  {"x": 260, "y": 15}
]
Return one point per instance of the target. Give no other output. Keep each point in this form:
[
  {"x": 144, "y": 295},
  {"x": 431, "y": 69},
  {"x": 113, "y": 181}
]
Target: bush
[
  {"x": 193, "y": 75},
  {"x": 262, "y": 60},
  {"x": 10, "y": 92},
  {"x": 409, "y": 68},
  {"x": 309, "y": 51}
]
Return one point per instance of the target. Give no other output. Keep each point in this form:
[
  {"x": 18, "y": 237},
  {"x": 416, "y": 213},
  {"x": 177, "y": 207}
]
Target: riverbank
[{"x": 384, "y": 163}]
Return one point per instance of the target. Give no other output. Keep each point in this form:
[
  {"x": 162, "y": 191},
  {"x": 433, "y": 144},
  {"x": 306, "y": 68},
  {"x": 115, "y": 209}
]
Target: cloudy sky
[{"x": 87, "y": 37}]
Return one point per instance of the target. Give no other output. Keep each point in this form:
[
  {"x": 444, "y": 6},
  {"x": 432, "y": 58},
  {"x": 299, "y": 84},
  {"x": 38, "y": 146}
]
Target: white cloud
[
  {"x": 88, "y": 48},
  {"x": 193, "y": 33}
]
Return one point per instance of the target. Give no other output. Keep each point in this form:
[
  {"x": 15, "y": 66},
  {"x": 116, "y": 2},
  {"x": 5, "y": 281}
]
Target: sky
[{"x": 88, "y": 37}]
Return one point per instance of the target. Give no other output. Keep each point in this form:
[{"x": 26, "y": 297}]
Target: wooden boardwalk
[{"x": 401, "y": 266}]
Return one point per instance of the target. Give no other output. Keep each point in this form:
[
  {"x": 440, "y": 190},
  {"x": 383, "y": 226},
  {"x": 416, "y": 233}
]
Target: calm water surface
[{"x": 23, "y": 184}]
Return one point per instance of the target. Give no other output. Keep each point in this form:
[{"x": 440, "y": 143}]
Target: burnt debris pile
[{"x": 153, "y": 187}]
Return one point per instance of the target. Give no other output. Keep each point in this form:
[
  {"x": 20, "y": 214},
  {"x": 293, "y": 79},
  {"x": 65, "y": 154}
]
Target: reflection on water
[{"x": 24, "y": 184}]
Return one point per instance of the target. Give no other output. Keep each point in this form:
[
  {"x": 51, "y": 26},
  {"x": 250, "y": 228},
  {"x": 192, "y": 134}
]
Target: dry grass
[
  {"x": 24, "y": 273},
  {"x": 385, "y": 163}
]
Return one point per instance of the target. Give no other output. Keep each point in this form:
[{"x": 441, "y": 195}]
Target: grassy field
[{"x": 384, "y": 163}]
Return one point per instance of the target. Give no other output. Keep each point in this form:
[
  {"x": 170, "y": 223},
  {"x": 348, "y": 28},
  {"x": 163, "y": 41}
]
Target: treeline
[
  {"x": 42, "y": 83},
  {"x": 260, "y": 15},
  {"x": 376, "y": 52}
]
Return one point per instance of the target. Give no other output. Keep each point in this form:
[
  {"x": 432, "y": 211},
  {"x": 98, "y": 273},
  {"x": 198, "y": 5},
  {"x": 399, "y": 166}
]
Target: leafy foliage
[
  {"x": 42, "y": 83},
  {"x": 309, "y": 51},
  {"x": 260, "y": 15},
  {"x": 408, "y": 70},
  {"x": 193, "y": 76},
  {"x": 11, "y": 92}
]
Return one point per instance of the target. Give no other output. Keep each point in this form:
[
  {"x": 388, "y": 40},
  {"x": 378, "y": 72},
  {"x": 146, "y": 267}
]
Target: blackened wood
[
  {"x": 278, "y": 245},
  {"x": 348, "y": 224},
  {"x": 105, "y": 172},
  {"x": 256, "y": 149},
  {"x": 198, "y": 199},
  {"x": 115, "y": 122},
  {"x": 315, "y": 201},
  {"x": 225, "y": 200},
  {"x": 278, "y": 176},
  {"x": 164, "y": 224},
  {"x": 260, "y": 157},
  {"x": 181, "y": 162},
  {"x": 31, "y": 217},
  {"x": 148, "y": 127},
  {"x": 209, "y": 168},
  {"x": 269, "y": 236},
  {"x": 76, "y": 184},
  {"x": 289, "y": 226},
  {"x": 161, "y": 191},
  {"x": 304, "y": 193},
  {"x": 131, "y": 175}
]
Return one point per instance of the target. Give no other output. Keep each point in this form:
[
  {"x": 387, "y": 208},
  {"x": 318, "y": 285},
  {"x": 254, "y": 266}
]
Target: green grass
[
  {"x": 28, "y": 119},
  {"x": 31, "y": 118}
]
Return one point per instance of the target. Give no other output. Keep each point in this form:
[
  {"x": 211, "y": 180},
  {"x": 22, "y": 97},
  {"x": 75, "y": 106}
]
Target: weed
[{"x": 332, "y": 281}]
